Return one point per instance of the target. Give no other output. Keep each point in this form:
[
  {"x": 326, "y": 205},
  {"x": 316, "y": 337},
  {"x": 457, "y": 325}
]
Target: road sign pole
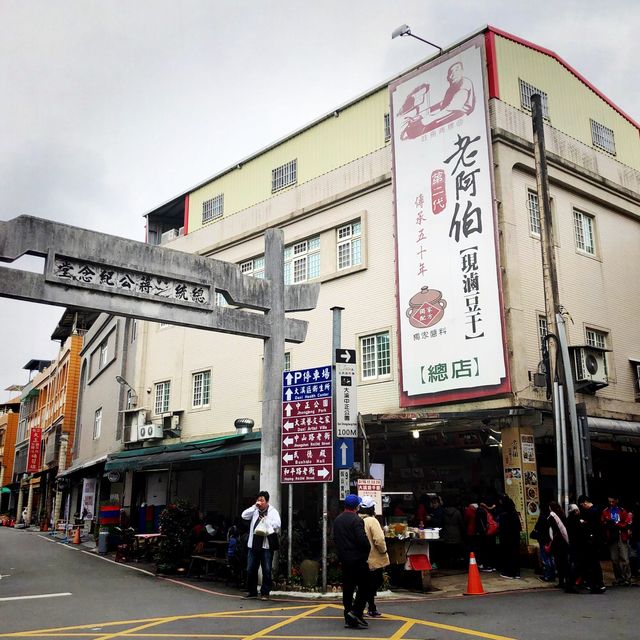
[{"x": 335, "y": 344}]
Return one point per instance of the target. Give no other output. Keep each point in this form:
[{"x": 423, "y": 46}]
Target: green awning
[
  {"x": 160, "y": 456},
  {"x": 235, "y": 449}
]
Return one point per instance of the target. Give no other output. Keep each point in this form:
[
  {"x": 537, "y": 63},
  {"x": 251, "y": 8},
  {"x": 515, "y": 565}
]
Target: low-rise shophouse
[{"x": 415, "y": 206}]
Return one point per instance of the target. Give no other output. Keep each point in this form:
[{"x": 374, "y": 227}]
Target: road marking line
[
  {"x": 120, "y": 564},
  {"x": 402, "y": 630},
  {"x": 41, "y": 595},
  {"x": 283, "y": 623},
  {"x": 308, "y": 611}
]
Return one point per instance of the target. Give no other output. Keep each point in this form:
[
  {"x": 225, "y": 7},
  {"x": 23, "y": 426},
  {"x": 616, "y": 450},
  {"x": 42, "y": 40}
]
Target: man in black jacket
[{"x": 353, "y": 549}]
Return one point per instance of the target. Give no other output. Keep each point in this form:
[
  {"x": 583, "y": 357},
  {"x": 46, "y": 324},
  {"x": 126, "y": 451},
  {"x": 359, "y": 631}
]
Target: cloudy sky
[{"x": 111, "y": 108}]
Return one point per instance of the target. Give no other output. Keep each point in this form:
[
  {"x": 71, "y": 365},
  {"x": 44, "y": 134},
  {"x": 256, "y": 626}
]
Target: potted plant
[{"x": 176, "y": 521}]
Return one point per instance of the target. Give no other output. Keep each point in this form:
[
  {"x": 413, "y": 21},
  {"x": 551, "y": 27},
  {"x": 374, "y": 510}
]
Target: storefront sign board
[
  {"x": 451, "y": 325},
  {"x": 373, "y": 489}
]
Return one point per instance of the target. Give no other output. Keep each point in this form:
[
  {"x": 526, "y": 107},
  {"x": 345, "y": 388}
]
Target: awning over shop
[
  {"x": 236, "y": 449},
  {"x": 161, "y": 456},
  {"x": 83, "y": 465},
  {"x": 614, "y": 427}
]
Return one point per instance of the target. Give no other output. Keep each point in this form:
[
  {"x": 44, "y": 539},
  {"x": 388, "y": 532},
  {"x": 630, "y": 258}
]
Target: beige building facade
[{"x": 330, "y": 188}]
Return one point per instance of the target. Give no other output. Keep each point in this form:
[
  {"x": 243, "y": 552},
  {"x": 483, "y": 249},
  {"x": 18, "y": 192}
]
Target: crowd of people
[{"x": 571, "y": 544}]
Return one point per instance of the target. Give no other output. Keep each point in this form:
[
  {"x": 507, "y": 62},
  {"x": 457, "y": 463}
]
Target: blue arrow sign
[
  {"x": 306, "y": 384},
  {"x": 343, "y": 453}
]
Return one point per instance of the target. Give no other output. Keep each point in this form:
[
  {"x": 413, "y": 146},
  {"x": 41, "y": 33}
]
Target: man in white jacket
[{"x": 261, "y": 547}]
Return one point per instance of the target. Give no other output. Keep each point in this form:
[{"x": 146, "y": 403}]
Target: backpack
[{"x": 492, "y": 525}]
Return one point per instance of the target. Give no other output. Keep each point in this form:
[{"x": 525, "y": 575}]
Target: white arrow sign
[
  {"x": 287, "y": 457},
  {"x": 323, "y": 473},
  {"x": 287, "y": 441},
  {"x": 287, "y": 394},
  {"x": 288, "y": 378},
  {"x": 287, "y": 426},
  {"x": 288, "y": 410},
  {"x": 343, "y": 452}
]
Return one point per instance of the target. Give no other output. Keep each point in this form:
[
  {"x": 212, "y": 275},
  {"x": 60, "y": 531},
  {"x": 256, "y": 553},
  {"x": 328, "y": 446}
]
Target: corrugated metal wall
[{"x": 571, "y": 103}]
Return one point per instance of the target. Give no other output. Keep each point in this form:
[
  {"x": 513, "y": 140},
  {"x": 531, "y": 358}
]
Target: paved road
[{"x": 82, "y": 596}]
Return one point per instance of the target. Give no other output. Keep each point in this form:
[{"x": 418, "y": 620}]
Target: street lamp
[
  {"x": 133, "y": 396},
  {"x": 404, "y": 30}
]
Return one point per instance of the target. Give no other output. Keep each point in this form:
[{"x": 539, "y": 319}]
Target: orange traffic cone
[
  {"x": 474, "y": 584},
  {"x": 76, "y": 539}
]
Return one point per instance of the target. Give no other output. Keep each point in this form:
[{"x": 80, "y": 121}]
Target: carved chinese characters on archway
[{"x": 127, "y": 282}]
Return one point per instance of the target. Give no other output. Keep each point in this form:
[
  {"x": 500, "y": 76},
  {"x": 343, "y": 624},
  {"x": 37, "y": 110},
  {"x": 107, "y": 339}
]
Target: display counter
[{"x": 410, "y": 560}]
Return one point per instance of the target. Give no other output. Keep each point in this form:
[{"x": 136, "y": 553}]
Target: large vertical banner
[
  {"x": 450, "y": 311},
  {"x": 88, "y": 506},
  {"x": 34, "y": 455}
]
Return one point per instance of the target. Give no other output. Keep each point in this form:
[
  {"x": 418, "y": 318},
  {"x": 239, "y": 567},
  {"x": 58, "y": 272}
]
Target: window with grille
[
  {"x": 602, "y": 137},
  {"x": 526, "y": 91},
  {"x": 302, "y": 261},
  {"x": 163, "y": 391},
  {"x": 534, "y": 212},
  {"x": 284, "y": 176},
  {"x": 97, "y": 423},
  {"x": 375, "y": 356},
  {"x": 213, "y": 208},
  {"x": 134, "y": 330},
  {"x": 287, "y": 361},
  {"x": 387, "y": 127},
  {"x": 254, "y": 267},
  {"x": 543, "y": 329},
  {"x": 598, "y": 339},
  {"x": 349, "y": 245},
  {"x": 583, "y": 226},
  {"x": 201, "y": 389}
]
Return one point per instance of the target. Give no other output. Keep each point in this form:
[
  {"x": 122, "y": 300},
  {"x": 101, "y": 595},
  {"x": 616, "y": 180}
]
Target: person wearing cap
[
  {"x": 353, "y": 549},
  {"x": 378, "y": 557}
]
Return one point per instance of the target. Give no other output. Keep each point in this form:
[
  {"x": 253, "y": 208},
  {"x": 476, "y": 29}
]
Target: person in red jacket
[{"x": 617, "y": 522}]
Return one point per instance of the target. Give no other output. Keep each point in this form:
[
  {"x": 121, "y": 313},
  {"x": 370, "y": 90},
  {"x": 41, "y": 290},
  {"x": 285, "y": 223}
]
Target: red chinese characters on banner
[
  {"x": 438, "y": 191},
  {"x": 33, "y": 455}
]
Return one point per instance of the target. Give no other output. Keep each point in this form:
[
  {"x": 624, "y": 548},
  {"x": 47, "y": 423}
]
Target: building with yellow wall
[{"x": 331, "y": 188}]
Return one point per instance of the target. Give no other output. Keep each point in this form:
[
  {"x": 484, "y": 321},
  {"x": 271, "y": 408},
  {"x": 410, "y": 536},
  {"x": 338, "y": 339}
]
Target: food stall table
[{"x": 410, "y": 554}]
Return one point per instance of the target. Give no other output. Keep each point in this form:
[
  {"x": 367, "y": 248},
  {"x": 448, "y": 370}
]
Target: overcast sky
[{"x": 111, "y": 108}]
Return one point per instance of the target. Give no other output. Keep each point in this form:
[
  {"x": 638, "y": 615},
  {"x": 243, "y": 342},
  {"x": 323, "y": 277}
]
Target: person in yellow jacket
[{"x": 378, "y": 557}]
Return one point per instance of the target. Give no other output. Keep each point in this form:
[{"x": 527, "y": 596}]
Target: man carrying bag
[{"x": 263, "y": 541}]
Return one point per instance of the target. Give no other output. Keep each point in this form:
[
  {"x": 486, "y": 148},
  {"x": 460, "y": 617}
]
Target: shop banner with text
[{"x": 450, "y": 312}]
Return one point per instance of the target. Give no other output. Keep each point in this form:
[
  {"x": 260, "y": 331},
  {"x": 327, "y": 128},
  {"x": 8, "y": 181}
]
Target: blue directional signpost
[
  {"x": 343, "y": 453},
  {"x": 307, "y": 426}
]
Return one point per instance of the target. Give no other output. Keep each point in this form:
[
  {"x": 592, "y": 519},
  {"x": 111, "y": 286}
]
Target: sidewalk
[{"x": 445, "y": 584}]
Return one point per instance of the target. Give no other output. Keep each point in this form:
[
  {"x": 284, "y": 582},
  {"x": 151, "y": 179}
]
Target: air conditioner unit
[
  {"x": 590, "y": 367},
  {"x": 133, "y": 420},
  {"x": 150, "y": 431},
  {"x": 171, "y": 423},
  {"x": 168, "y": 236}
]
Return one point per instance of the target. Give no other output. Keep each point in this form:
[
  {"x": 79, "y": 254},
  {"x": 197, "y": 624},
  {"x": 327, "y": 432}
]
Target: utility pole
[{"x": 549, "y": 276}]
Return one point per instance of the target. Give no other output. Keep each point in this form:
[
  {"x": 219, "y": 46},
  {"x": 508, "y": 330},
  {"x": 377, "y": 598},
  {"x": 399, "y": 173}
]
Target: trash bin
[{"x": 103, "y": 539}]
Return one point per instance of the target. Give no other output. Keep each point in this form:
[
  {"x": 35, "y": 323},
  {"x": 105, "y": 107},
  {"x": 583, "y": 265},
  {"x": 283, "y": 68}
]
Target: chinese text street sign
[
  {"x": 307, "y": 426},
  {"x": 346, "y": 404},
  {"x": 33, "y": 455}
]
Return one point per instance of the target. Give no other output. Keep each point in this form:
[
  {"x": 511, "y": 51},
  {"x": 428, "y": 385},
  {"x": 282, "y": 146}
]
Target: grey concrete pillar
[
  {"x": 29, "y": 505},
  {"x": 272, "y": 368},
  {"x": 19, "y": 505}
]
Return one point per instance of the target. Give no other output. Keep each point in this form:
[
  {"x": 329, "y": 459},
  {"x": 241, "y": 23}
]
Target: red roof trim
[
  {"x": 555, "y": 56},
  {"x": 186, "y": 215},
  {"x": 492, "y": 65}
]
